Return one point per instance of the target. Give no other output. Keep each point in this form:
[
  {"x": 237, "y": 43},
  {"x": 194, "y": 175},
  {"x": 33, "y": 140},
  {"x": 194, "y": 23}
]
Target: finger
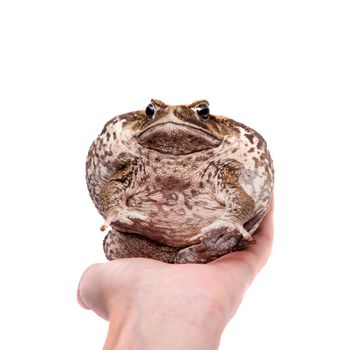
[
  {"x": 247, "y": 263},
  {"x": 261, "y": 251}
]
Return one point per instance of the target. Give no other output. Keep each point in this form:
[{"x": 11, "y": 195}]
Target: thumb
[{"x": 90, "y": 294}]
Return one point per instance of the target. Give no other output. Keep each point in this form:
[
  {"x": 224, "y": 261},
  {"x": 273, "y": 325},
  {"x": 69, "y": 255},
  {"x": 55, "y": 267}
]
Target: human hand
[{"x": 154, "y": 305}]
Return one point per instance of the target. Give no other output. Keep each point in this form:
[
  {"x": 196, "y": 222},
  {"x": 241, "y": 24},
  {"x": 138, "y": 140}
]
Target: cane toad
[{"x": 178, "y": 184}]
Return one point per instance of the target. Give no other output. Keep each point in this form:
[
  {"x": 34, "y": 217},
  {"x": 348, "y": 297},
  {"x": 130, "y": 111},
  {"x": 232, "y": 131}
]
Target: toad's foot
[
  {"x": 122, "y": 216},
  {"x": 220, "y": 227},
  {"x": 220, "y": 238},
  {"x": 195, "y": 254},
  {"x": 203, "y": 252}
]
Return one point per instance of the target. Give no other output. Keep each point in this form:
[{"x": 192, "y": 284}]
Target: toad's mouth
[{"x": 173, "y": 138}]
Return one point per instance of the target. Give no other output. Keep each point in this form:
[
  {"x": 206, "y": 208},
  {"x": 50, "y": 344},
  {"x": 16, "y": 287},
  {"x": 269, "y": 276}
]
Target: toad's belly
[{"x": 175, "y": 217}]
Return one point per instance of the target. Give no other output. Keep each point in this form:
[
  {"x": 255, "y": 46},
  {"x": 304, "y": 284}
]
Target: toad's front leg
[
  {"x": 239, "y": 206},
  {"x": 224, "y": 234},
  {"x": 113, "y": 194}
]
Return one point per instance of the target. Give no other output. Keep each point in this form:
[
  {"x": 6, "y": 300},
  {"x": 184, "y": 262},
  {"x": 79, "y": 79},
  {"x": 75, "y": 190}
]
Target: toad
[{"x": 178, "y": 184}]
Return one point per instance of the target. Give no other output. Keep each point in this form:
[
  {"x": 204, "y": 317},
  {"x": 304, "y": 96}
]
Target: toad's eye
[
  {"x": 150, "y": 110},
  {"x": 203, "y": 111}
]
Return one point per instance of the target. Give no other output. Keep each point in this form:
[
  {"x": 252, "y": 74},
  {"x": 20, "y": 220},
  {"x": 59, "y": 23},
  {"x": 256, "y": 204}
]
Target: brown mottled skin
[{"x": 178, "y": 186}]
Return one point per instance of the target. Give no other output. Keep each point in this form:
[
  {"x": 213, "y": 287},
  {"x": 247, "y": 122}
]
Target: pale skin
[{"x": 154, "y": 305}]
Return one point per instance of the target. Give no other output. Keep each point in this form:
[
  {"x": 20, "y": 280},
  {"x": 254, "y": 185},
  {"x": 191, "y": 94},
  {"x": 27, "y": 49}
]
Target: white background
[{"x": 67, "y": 67}]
